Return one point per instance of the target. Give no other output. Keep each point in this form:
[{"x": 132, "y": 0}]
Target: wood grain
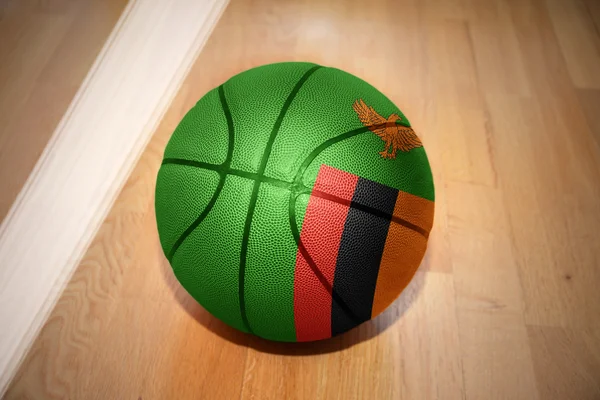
[
  {"x": 505, "y": 304},
  {"x": 46, "y": 50},
  {"x": 579, "y": 43}
]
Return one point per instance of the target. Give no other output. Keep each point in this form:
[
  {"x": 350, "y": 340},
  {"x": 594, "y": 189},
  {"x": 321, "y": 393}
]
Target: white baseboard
[{"x": 90, "y": 155}]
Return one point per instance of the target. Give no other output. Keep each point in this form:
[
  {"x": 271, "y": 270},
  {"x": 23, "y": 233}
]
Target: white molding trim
[{"x": 88, "y": 159}]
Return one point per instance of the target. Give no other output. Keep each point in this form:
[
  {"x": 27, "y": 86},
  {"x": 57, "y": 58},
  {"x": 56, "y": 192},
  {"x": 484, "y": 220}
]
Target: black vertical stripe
[
  {"x": 375, "y": 195},
  {"x": 360, "y": 252}
]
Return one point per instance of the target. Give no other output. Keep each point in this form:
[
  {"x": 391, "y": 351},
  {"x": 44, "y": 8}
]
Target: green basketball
[{"x": 294, "y": 202}]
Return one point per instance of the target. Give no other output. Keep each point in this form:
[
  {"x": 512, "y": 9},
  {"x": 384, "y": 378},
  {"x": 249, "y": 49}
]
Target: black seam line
[
  {"x": 231, "y": 171},
  {"x": 222, "y": 177},
  {"x": 371, "y": 210},
  {"x": 310, "y": 158},
  {"x": 389, "y": 217},
  {"x": 224, "y": 169},
  {"x": 230, "y": 127},
  {"x": 198, "y": 220},
  {"x": 255, "y": 189},
  {"x": 297, "y": 189}
]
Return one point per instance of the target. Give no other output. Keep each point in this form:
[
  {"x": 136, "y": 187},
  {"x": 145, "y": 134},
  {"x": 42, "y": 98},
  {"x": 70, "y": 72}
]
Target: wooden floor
[
  {"x": 505, "y": 95},
  {"x": 46, "y": 50}
]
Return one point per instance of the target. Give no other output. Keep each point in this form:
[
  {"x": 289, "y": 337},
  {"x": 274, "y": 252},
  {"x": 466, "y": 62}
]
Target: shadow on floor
[{"x": 362, "y": 333}]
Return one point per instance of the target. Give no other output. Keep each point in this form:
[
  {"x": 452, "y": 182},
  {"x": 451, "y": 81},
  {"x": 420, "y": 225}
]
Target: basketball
[{"x": 294, "y": 202}]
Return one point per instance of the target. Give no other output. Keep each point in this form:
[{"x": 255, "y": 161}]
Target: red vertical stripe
[{"x": 321, "y": 233}]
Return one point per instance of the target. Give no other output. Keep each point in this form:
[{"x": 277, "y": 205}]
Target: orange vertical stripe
[
  {"x": 414, "y": 209},
  {"x": 404, "y": 249}
]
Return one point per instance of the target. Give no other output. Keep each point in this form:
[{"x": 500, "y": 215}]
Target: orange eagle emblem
[{"x": 398, "y": 137}]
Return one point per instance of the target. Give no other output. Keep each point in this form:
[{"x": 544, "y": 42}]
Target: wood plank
[
  {"x": 495, "y": 348},
  {"x": 567, "y": 363},
  {"x": 460, "y": 115},
  {"x": 549, "y": 190},
  {"x": 578, "y": 40},
  {"x": 48, "y": 52},
  {"x": 445, "y": 10},
  {"x": 87, "y": 306},
  {"x": 430, "y": 343},
  {"x": 498, "y": 62},
  {"x": 593, "y": 8},
  {"x": 438, "y": 248},
  {"x": 590, "y": 104},
  {"x": 552, "y": 219}
]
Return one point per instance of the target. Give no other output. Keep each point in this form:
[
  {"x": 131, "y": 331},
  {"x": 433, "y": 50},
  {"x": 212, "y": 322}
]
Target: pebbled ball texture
[{"x": 278, "y": 213}]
